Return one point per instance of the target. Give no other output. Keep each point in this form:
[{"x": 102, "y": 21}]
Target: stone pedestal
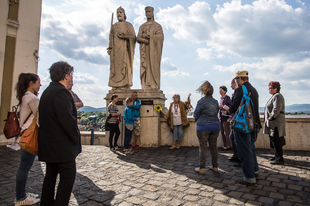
[{"x": 150, "y": 118}]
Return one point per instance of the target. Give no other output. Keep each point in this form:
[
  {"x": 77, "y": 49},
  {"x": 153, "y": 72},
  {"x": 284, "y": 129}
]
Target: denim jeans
[
  {"x": 233, "y": 143},
  {"x": 177, "y": 133},
  {"x": 204, "y": 138},
  {"x": 247, "y": 154},
  {"x": 127, "y": 140},
  {"x": 26, "y": 161}
]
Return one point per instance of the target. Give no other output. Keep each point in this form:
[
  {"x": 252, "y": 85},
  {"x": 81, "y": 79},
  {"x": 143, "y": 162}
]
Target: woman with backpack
[{"x": 27, "y": 89}]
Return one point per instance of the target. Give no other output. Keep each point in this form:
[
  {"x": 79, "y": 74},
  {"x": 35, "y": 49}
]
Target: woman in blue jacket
[
  {"x": 129, "y": 121},
  {"x": 208, "y": 126}
]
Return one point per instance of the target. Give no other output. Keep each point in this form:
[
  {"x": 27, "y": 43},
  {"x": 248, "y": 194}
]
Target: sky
[{"x": 203, "y": 40}]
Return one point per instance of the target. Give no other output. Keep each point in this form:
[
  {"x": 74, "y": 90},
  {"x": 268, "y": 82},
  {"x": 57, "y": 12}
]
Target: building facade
[{"x": 19, "y": 49}]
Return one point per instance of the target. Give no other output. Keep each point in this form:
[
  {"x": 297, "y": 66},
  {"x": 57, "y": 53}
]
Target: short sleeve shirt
[{"x": 112, "y": 108}]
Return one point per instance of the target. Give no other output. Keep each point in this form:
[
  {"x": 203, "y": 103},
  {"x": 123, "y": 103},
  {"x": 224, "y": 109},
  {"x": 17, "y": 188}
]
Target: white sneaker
[
  {"x": 200, "y": 170},
  {"x": 28, "y": 201},
  {"x": 32, "y": 195},
  {"x": 214, "y": 169}
]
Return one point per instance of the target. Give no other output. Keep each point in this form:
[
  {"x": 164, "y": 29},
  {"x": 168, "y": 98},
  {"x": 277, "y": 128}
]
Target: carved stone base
[{"x": 150, "y": 118}]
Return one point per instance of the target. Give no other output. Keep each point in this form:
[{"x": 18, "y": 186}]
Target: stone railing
[{"x": 297, "y": 130}]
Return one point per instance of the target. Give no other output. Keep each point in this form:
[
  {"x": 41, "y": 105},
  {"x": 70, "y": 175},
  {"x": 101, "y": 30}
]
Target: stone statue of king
[
  {"x": 122, "y": 41},
  {"x": 150, "y": 38}
]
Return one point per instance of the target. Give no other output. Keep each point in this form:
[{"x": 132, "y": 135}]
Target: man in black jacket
[
  {"x": 59, "y": 137},
  {"x": 245, "y": 142}
]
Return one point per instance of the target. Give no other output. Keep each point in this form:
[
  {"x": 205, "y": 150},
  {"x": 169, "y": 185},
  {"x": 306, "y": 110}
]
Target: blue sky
[{"x": 204, "y": 40}]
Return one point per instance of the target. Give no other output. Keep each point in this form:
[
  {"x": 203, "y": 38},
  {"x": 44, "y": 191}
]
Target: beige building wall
[{"x": 26, "y": 30}]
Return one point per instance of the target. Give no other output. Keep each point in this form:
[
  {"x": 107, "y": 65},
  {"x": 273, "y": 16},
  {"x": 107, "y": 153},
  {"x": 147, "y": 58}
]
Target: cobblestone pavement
[{"x": 159, "y": 176}]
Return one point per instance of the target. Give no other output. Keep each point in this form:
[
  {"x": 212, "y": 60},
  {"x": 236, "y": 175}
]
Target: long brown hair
[{"x": 22, "y": 85}]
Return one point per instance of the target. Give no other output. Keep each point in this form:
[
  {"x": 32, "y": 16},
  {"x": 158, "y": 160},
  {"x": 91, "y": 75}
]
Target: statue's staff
[{"x": 110, "y": 40}]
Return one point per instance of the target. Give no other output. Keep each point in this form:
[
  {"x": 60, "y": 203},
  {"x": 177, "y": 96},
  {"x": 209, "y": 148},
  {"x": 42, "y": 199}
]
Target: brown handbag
[
  {"x": 11, "y": 128},
  {"x": 29, "y": 139}
]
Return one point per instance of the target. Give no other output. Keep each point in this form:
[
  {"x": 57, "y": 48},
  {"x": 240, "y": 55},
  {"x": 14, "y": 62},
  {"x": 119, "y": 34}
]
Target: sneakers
[
  {"x": 214, "y": 169},
  {"x": 242, "y": 182},
  {"x": 137, "y": 146},
  {"x": 113, "y": 149},
  {"x": 178, "y": 146},
  {"x": 117, "y": 147},
  {"x": 129, "y": 151},
  {"x": 173, "y": 147},
  {"x": 200, "y": 170},
  {"x": 28, "y": 201}
]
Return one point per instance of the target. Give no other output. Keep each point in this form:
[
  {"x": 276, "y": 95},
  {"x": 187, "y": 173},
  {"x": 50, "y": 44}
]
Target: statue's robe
[
  {"x": 122, "y": 54},
  {"x": 150, "y": 55}
]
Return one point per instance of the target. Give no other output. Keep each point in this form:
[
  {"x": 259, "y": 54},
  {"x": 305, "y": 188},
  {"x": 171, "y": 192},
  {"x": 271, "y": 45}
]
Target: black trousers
[
  {"x": 277, "y": 143},
  {"x": 114, "y": 129},
  {"x": 67, "y": 172}
]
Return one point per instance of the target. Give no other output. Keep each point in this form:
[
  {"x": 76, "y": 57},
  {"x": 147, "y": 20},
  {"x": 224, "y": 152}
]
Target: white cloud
[
  {"x": 169, "y": 69},
  {"x": 194, "y": 24},
  {"x": 175, "y": 73},
  {"x": 208, "y": 54},
  {"x": 84, "y": 78}
]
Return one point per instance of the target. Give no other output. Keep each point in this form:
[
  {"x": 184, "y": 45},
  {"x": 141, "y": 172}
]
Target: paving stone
[
  {"x": 249, "y": 196},
  {"x": 134, "y": 200},
  {"x": 235, "y": 194},
  {"x": 191, "y": 198},
  {"x": 293, "y": 199},
  {"x": 276, "y": 195},
  {"x": 253, "y": 203},
  {"x": 151, "y": 196},
  {"x": 295, "y": 187},
  {"x": 266, "y": 200},
  {"x": 190, "y": 204},
  {"x": 150, "y": 203},
  {"x": 221, "y": 197},
  {"x": 285, "y": 203},
  {"x": 175, "y": 202},
  {"x": 193, "y": 191}
]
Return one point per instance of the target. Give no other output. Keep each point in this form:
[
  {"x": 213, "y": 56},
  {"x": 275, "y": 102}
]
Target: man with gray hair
[{"x": 59, "y": 139}]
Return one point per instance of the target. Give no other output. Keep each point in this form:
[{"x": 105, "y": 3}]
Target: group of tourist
[
  {"x": 212, "y": 117},
  {"x": 132, "y": 122},
  {"x": 59, "y": 139},
  {"x": 60, "y": 143}
]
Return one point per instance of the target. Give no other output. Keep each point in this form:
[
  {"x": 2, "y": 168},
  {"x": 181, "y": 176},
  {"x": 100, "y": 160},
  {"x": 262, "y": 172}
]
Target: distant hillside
[
  {"x": 293, "y": 108},
  {"x": 92, "y": 109}
]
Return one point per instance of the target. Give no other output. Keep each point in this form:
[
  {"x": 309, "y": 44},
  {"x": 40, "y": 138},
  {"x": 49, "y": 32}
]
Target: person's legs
[
  {"x": 245, "y": 151},
  {"x": 112, "y": 132},
  {"x": 137, "y": 132},
  {"x": 26, "y": 161},
  {"x": 213, "y": 147},
  {"x": 227, "y": 132},
  {"x": 223, "y": 134},
  {"x": 117, "y": 133},
  {"x": 48, "y": 189},
  {"x": 233, "y": 144},
  {"x": 278, "y": 146},
  {"x": 203, "y": 140},
  {"x": 67, "y": 172},
  {"x": 128, "y": 135},
  {"x": 253, "y": 140}
]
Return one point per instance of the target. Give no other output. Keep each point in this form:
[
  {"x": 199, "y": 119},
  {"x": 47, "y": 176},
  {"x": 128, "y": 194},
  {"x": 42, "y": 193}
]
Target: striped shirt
[{"x": 112, "y": 108}]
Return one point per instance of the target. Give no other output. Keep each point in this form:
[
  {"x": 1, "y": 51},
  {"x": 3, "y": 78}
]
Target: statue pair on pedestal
[{"x": 121, "y": 49}]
